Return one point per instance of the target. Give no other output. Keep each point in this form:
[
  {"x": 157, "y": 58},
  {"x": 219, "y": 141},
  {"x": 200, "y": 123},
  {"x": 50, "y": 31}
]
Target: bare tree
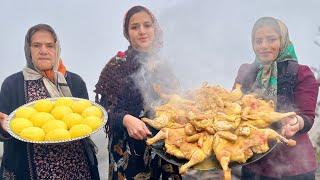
[{"x": 316, "y": 71}]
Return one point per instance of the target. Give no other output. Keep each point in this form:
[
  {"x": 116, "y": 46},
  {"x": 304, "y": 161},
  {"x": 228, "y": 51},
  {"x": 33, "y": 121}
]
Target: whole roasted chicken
[{"x": 212, "y": 121}]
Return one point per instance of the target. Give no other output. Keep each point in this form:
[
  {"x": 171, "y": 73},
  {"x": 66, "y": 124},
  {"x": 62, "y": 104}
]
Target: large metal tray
[
  {"x": 209, "y": 164},
  {"x": 11, "y": 116}
]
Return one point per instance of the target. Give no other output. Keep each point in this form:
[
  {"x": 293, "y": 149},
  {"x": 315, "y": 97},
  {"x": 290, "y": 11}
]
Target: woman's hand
[
  {"x": 291, "y": 125},
  {"x": 135, "y": 127},
  {"x": 3, "y": 119}
]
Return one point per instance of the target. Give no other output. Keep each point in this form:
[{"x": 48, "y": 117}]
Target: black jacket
[{"x": 15, "y": 162}]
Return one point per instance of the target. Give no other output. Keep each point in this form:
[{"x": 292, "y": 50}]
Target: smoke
[
  {"x": 209, "y": 40},
  {"x": 154, "y": 71},
  {"x": 279, "y": 159},
  {"x": 201, "y": 46},
  {"x": 317, "y": 39}
]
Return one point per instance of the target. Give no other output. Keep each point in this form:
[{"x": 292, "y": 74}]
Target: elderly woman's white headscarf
[{"x": 57, "y": 86}]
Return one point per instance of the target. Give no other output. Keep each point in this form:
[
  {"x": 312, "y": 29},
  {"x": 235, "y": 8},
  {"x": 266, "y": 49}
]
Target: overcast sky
[{"x": 204, "y": 40}]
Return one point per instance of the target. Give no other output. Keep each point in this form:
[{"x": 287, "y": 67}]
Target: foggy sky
[{"x": 204, "y": 40}]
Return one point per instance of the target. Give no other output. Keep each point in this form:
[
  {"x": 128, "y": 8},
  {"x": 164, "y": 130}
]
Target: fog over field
[{"x": 203, "y": 40}]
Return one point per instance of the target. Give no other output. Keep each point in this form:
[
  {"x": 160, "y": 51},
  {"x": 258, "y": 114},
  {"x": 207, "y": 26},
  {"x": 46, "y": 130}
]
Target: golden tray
[{"x": 11, "y": 116}]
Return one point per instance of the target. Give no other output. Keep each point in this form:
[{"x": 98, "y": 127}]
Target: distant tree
[
  {"x": 317, "y": 148},
  {"x": 317, "y": 73},
  {"x": 316, "y": 70},
  {"x": 317, "y": 39}
]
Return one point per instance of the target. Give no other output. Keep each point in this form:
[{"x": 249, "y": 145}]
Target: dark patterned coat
[
  {"x": 126, "y": 87},
  {"x": 16, "y": 155}
]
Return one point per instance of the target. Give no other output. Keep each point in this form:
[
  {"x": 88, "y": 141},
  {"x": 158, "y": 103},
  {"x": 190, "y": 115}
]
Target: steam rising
[
  {"x": 154, "y": 70},
  {"x": 203, "y": 40}
]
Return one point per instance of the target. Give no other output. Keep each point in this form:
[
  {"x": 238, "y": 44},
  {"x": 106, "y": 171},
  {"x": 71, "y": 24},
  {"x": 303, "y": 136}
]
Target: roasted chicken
[
  {"x": 250, "y": 140},
  {"x": 176, "y": 144},
  {"x": 260, "y": 113},
  {"x": 212, "y": 121}
]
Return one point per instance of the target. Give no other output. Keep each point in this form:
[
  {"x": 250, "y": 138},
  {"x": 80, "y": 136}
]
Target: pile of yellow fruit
[{"x": 56, "y": 120}]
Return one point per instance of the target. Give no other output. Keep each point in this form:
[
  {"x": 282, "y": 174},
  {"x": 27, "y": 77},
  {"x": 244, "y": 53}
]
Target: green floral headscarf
[{"x": 265, "y": 84}]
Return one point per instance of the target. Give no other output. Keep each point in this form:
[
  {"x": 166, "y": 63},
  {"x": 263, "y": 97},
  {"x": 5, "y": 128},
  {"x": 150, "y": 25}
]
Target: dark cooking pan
[{"x": 210, "y": 164}]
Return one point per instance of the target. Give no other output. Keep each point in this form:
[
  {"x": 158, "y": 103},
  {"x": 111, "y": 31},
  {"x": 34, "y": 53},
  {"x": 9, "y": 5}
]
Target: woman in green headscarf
[{"x": 276, "y": 75}]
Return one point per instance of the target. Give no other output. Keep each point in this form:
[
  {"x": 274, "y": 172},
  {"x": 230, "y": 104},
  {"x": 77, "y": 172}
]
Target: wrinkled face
[
  {"x": 43, "y": 50},
  {"x": 266, "y": 44},
  {"x": 141, "y": 31}
]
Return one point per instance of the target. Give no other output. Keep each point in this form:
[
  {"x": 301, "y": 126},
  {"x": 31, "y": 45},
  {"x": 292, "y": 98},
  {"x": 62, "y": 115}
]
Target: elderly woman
[
  {"x": 44, "y": 76},
  {"x": 276, "y": 75},
  {"x": 125, "y": 89}
]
